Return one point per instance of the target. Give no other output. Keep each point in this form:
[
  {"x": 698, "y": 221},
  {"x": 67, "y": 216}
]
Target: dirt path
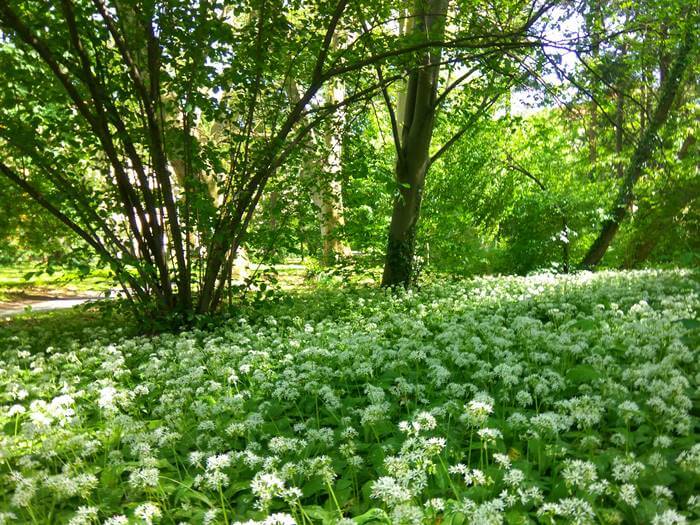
[{"x": 44, "y": 302}]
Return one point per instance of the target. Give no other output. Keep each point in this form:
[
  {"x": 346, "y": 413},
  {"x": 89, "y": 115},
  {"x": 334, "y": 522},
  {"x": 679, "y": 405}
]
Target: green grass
[{"x": 14, "y": 283}]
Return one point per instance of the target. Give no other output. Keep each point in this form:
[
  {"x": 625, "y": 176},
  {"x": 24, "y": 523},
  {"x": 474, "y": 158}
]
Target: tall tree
[
  {"x": 647, "y": 143},
  {"x": 321, "y": 169},
  {"x": 416, "y": 118},
  {"x": 418, "y": 104},
  {"x": 327, "y": 192},
  {"x": 86, "y": 125},
  {"x": 656, "y": 219}
]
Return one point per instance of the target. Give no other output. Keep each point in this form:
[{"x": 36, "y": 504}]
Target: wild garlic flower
[
  {"x": 266, "y": 486},
  {"x": 579, "y": 474},
  {"x": 662, "y": 442},
  {"x": 690, "y": 459},
  {"x": 514, "y": 477},
  {"x": 389, "y": 491},
  {"x": 108, "y": 399},
  {"x": 84, "y": 516},
  {"x": 16, "y": 410},
  {"x": 423, "y": 421},
  {"x": 502, "y": 460},
  {"x": 322, "y": 466},
  {"x": 25, "y": 489},
  {"x": 489, "y": 435},
  {"x": 436, "y": 504},
  {"x": 626, "y": 470},
  {"x": 574, "y": 510},
  {"x": 195, "y": 458},
  {"x": 660, "y": 491},
  {"x": 118, "y": 519},
  {"x": 148, "y": 512},
  {"x": 478, "y": 410},
  {"x": 489, "y": 512},
  {"x": 218, "y": 462},
  {"x": 144, "y": 478},
  {"x": 406, "y": 514},
  {"x": 471, "y": 476},
  {"x": 669, "y": 517},
  {"x": 628, "y": 494}
]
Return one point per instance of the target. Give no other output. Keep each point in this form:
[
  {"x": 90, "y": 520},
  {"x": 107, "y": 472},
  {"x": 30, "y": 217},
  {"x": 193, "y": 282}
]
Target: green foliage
[{"x": 526, "y": 187}]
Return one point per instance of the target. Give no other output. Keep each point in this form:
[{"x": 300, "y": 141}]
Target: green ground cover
[
  {"x": 22, "y": 280},
  {"x": 541, "y": 399}
]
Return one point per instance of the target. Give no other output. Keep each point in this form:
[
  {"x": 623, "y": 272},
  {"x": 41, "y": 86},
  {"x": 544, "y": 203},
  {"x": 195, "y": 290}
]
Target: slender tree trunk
[
  {"x": 659, "y": 224},
  {"x": 273, "y": 198},
  {"x": 416, "y": 121},
  {"x": 660, "y": 219},
  {"x": 326, "y": 189},
  {"x": 619, "y": 94},
  {"x": 643, "y": 150},
  {"x": 619, "y": 132},
  {"x": 592, "y": 136},
  {"x": 327, "y": 194},
  {"x": 594, "y": 24}
]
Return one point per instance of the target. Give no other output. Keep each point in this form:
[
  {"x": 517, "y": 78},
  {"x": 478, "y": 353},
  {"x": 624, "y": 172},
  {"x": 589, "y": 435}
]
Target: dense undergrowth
[{"x": 543, "y": 399}]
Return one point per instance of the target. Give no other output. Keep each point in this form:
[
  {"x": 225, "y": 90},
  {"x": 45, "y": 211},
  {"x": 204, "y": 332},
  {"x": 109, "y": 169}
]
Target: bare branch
[
  {"x": 517, "y": 167},
  {"x": 389, "y": 106}
]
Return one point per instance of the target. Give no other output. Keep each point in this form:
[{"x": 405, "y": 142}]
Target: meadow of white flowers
[{"x": 542, "y": 399}]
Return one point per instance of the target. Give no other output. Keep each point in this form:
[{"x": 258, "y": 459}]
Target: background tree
[
  {"x": 418, "y": 103},
  {"x": 648, "y": 142},
  {"x": 107, "y": 100}
]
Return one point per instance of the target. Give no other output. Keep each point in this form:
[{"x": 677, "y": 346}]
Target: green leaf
[
  {"x": 313, "y": 487},
  {"x": 372, "y": 516},
  {"x": 317, "y": 512},
  {"x": 454, "y": 518},
  {"x": 689, "y": 324},
  {"x": 585, "y": 324},
  {"x": 582, "y": 374}
]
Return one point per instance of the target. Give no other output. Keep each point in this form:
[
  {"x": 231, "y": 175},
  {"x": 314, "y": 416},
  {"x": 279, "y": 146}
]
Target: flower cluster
[{"x": 547, "y": 399}]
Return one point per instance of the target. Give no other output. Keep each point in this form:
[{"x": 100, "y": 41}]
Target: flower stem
[
  {"x": 335, "y": 500},
  {"x": 223, "y": 505}
]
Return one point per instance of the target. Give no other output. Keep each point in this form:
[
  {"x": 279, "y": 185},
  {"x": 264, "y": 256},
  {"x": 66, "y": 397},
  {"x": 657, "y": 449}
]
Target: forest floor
[
  {"x": 23, "y": 288},
  {"x": 539, "y": 399}
]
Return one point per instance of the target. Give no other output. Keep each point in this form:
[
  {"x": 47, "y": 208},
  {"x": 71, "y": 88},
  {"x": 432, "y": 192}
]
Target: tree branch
[
  {"x": 484, "y": 106},
  {"x": 454, "y": 84},
  {"x": 48, "y": 206}
]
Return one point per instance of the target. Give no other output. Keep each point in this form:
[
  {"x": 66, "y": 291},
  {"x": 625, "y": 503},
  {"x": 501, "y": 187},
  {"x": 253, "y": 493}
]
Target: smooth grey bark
[
  {"x": 414, "y": 127},
  {"x": 323, "y": 172},
  {"x": 327, "y": 194}
]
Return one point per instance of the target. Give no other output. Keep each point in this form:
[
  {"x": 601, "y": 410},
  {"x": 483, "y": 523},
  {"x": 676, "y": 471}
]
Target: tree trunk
[
  {"x": 619, "y": 132},
  {"x": 659, "y": 223},
  {"x": 416, "y": 120},
  {"x": 660, "y": 219},
  {"x": 401, "y": 246},
  {"x": 643, "y": 151},
  {"x": 592, "y": 136},
  {"x": 594, "y": 22},
  {"x": 327, "y": 195},
  {"x": 326, "y": 189}
]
